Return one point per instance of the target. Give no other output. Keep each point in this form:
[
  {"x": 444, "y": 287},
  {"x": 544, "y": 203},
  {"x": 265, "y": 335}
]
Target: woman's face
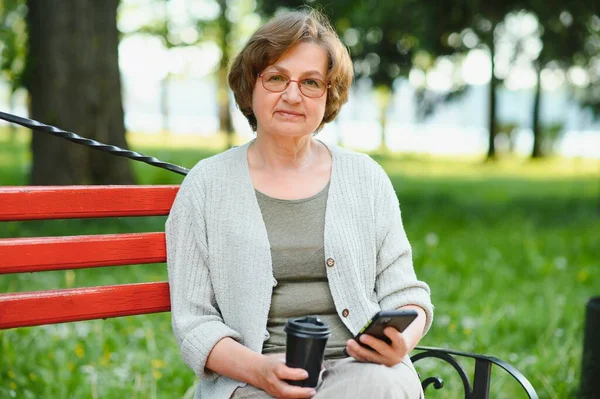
[{"x": 290, "y": 113}]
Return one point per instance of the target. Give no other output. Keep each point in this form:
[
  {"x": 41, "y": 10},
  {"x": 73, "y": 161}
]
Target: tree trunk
[
  {"x": 225, "y": 122},
  {"x": 536, "y": 152},
  {"x": 491, "y": 154},
  {"x": 75, "y": 84},
  {"x": 164, "y": 102},
  {"x": 384, "y": 96},
  {"x": 339, "y": 137},
  {"x": 12, "y": 128}
]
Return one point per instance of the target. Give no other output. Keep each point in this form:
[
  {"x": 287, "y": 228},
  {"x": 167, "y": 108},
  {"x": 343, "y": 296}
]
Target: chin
[{"x": 291, "y": 130}]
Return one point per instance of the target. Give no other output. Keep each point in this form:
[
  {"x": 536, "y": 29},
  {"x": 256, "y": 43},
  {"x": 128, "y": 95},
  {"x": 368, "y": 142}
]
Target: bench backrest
[{"x": 20, "y": 255}]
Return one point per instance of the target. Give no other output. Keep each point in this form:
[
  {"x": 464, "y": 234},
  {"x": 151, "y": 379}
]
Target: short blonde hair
[{"x": 277, "y": 36}]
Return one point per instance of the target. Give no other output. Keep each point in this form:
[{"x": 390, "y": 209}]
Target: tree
[
  {"x": 222, "y": 27},
  {"x": 74, "y": 82},
  {"x": 477, "y": 23},
  {"x": 161, "y": 28},
  {"x": 224, "y": 32},
  {"x": 588, "y": 58},
  {"x": 388, "y": 38},
  {"x": 563, "y": 32},
  {"x": 382, "y": 36}
]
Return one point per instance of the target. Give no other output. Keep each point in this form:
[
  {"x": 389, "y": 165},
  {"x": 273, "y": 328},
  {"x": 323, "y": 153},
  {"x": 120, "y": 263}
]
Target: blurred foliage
[
  {"x": 13, "y": 48},
  {"x": 224, "y": 23},
  {"x": 198, "y": 22},
  {"x": 551, "y": 135},
  {"x": 387, "y": 39},
  {"x": 13, "y": 42}
]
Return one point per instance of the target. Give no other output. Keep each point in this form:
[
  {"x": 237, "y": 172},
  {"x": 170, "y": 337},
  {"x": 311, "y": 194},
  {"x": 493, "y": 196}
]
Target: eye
[
  {"x": 276, "y": 78},
  {"x": 312, "y": 83}
]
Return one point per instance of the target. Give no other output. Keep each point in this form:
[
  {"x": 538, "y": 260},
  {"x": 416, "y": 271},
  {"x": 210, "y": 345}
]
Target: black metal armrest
[{"x": 483, "y": 370}]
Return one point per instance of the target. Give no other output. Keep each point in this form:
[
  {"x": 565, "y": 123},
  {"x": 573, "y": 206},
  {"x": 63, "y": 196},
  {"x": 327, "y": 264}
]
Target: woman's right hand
[{"x": 270, "y": 376}]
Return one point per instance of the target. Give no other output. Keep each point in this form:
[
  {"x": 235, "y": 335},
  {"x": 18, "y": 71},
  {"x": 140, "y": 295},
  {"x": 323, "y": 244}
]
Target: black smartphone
[{"x": 399, "y": 319}]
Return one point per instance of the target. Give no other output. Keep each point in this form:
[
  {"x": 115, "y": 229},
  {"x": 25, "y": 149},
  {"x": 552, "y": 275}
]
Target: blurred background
[{"x": 485, "y": 115}]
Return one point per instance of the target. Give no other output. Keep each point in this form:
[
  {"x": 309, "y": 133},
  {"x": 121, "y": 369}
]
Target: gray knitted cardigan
[{"x": 219, "y": 259}]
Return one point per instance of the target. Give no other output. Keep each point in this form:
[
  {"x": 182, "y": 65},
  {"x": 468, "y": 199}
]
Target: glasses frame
[{"x": 327, "y": 85}]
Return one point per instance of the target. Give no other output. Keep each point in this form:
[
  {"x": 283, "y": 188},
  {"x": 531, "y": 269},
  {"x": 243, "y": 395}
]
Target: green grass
[{"x": 511, "y": 251}]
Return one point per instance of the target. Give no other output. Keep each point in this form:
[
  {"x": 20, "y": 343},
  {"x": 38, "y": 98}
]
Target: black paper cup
[{"x": 305, "y": 347}]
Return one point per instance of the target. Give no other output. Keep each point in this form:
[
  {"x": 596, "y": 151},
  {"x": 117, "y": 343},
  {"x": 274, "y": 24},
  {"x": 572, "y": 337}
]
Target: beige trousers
[{"x": 347, "y": 378}]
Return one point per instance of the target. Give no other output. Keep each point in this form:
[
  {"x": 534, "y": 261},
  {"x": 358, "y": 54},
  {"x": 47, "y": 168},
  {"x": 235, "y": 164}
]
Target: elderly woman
[{"x": 286, "y": 226}]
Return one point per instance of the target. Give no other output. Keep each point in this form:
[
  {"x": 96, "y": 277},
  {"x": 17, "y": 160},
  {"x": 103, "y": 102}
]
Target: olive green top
[{"x": 295, "y": 229}]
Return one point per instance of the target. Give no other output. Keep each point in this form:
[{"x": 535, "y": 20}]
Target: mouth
[{"x": 289, "y": 114}]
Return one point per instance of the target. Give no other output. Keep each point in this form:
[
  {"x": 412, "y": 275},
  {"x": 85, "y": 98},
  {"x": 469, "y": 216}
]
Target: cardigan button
[
  {"x": 345, "y": 312},
  {"x": 330, "y": 262}
]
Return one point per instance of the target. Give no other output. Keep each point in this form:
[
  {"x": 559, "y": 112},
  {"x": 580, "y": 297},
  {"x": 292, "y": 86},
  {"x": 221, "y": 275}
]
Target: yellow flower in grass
[
  {"x": 158, "y": 364},
  {"x": 69, "y": 278},
  {"x": 79, "y": 352},
  {"x": 156, "y": 374},
  {"x": 104, "y": 360},
  {"x": 583, "y": 276},
  {"x": 12, "y": 385}
]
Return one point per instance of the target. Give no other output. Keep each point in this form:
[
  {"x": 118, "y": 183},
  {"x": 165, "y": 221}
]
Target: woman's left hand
[{"x": 382, "y": 353}]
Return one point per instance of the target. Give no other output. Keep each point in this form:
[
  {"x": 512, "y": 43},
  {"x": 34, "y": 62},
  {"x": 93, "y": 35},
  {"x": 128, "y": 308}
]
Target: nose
[{"x": 292, "y": 93}]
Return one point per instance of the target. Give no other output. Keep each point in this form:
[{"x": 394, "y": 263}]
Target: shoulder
[
  {"x": 208, "y": 175},
  {"x": 360, "y": 171},
  {"x": 219, "y": 162},
  {"x": 216, "y": 167}
]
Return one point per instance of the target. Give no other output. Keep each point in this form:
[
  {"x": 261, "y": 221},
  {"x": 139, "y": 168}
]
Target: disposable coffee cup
[{"x": 305, "y": 347}]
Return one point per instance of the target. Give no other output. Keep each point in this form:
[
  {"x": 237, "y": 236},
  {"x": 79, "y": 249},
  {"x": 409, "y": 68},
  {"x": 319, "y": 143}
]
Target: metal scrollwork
[
  {"x": 438, "y": 382},
  {"x": 482, "y": 374}
]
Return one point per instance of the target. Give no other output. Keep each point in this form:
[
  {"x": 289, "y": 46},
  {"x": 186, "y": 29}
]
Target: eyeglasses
[{"x": 277, "y": 82}]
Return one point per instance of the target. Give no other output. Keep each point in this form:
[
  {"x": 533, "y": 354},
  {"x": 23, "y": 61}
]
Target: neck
[{"x": 296, "y": 153}]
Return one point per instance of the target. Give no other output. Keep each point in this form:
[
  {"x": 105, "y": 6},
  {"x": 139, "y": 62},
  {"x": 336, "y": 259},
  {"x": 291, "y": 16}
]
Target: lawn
[{"x": 511, "y": 251}]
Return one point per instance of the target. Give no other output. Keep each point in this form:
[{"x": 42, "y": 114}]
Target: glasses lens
[
  {"x": 275, "y": 81},
  {"x": 278, "y": 82},
  {"x": 312, "y": 87}
]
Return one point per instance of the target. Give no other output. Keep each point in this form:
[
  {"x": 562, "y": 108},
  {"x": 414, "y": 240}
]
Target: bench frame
[{"x": 22, "y": 255}]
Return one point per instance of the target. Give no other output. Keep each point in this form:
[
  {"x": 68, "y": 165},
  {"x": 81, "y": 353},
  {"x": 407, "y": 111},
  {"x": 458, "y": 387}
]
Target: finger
[
  {"x": 349, "y": 349},
  {"x": 364, "y": 354},
  {"x": 291, "y": 391},
  {"x": 377, "y": 345},
  {"x": 284, "y": 372},
  {"x": 398, "y": 341},
  {"x": 394, "y": 335},
  {"x": 354, "y": 355}
]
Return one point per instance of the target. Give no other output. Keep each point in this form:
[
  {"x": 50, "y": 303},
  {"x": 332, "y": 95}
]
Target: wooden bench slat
[
  {"x": 18, "y": 255},
  {"x": 58, "y": 306},
  {"x": 73, "y": 202}
]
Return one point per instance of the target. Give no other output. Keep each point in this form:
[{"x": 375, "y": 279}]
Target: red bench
[{"x": 23, "y": 255}]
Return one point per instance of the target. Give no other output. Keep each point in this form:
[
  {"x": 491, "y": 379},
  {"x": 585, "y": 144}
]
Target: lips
[{"x": 288, "y": 113}]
